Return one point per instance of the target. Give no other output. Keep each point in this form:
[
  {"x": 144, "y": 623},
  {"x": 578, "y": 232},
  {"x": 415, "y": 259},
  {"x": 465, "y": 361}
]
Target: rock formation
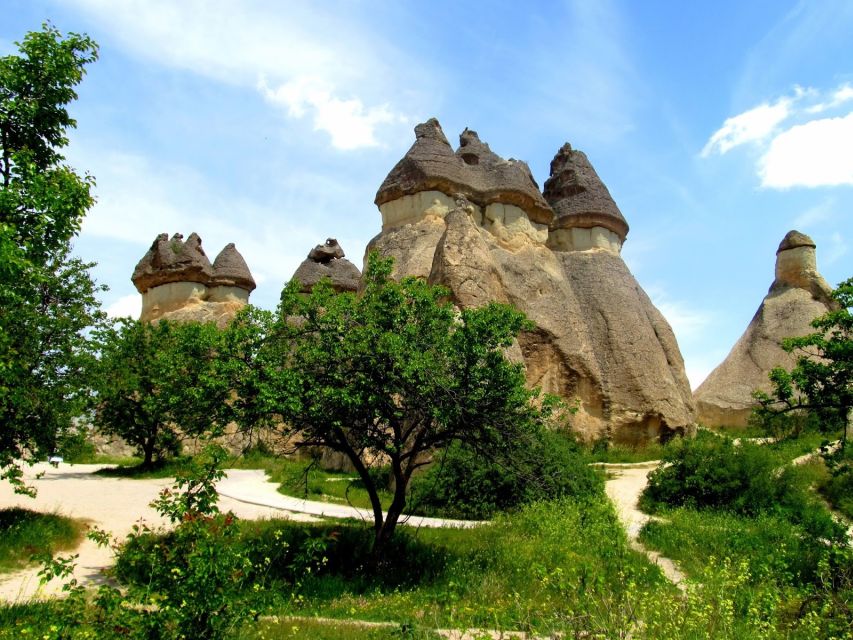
[
  {"x": 797, "y": 296},
  {"x": 177, "y": 281},
  {"x": 478, "y": 224},
  {"x": 327, "y": 261}
]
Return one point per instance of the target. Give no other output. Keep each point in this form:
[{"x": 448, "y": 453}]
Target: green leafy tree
[
  {"x": 390, "y": 375},
  {"x": 157, "y": 383},
  {"x": 47, "y": 298},
  {"x": 821, "y": 382}
]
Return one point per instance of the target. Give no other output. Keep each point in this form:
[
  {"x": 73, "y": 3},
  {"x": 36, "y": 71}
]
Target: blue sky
[{"x": 717, "y": 126}]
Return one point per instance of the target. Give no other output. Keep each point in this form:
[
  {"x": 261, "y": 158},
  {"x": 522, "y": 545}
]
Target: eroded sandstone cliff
[{"x": 478, "y": 224}]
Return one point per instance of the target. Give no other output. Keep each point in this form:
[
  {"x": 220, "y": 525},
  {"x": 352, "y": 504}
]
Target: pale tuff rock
[
  {"x": 478, "y": 225},
  {"x": 327, "y": 261},
  {"x": 797, "y": 296},
  {"x": 177, "y": 281}
]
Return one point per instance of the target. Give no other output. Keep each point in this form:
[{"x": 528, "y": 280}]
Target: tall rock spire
[
  {"x": 478, "y": 225},
  {"x": 797, "y": 296}
]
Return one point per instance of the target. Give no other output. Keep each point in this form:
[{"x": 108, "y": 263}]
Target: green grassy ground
[{"x": 24, "y": 533}]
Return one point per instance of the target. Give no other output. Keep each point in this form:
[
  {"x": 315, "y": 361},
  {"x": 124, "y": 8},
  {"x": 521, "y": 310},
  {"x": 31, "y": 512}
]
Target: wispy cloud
[
  {"x": 815, "y": 215},
  {"x": 750, "y": 126},
  {"x": 322, "y": 60},
  {"x": 840, "y": 96},
  {"x": 808, "y": 151},
  {"x": 836, "y": 250},
  {"x": 139, "y": 198},
  {"x": 690, "y": 324}
]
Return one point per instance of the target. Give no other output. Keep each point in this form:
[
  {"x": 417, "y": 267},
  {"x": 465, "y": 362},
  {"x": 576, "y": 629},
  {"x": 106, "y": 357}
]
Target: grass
[
  {"x": 98, "y": 458},
  {"x": 24, "y": 533},
  {"x": 136, "y": 470},
  {"x": 303, "y": 478},
  {"x": 332, "y": 630},
  {"x": 553, "y": 566},
  {"x": 622, "y": 454}
]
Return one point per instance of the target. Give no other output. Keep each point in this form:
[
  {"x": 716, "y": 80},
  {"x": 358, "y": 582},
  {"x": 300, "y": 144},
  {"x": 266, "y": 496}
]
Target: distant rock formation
[
  {"x": 478, "y": 224},
  {"x": 797, "y": 296},
  {"x": 327, "y": 261},
  {"x": 177, "y": 281}
]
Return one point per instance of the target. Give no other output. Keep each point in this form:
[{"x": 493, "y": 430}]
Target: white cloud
[
  {"x": 814, "y": 154},
  {"x": 348, "y": 122},
  {"x": 799, "y": 147},
  {"x": 322, "y": 59},
  {"x": 126, "y": 306},
  {"x": 840, "y": 96},
  {"x": 750, "y": 126}
]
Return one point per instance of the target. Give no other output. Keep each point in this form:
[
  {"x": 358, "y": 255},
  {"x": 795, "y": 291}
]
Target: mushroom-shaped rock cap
[
  {"x": 326, "y": 252},
  {"x": 231, "y": 270},
  {"x": 579, "y": 197},
  {"x": 172, "y": 260},
  {"x": 473, "y": 170},
  {"x": 327, "y": 260},
  {"x": 794, "y": 239}
]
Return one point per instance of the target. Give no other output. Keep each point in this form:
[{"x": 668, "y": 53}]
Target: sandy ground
[
  {"x": 111, "y": 504},
  {"x": 624, "y": 487}
]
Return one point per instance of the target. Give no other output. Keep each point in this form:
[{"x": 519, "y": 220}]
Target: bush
[
  {"x": 463, "y": 483},
  {"x": 710, "y": 472}
]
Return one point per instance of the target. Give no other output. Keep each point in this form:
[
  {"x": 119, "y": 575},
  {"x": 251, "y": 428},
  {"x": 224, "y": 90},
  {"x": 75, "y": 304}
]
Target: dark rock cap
[
  {"x": 327, "y": 261},
  {"x": 579, "y": 197},
  {"x": 172, "y": 260},
  {"x": 231, "y": 270},
  {"x": 795, "y": 239},
  {"x": 473, "y": 170},
  {"x": 326, "y": 252}
]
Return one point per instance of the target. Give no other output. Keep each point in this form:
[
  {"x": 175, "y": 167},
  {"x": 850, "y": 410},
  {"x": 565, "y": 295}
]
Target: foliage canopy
[
  {"x": 157, "y": 382},
  {"x": 47, "y": 298},
  {"x": 389, "y": 375}
]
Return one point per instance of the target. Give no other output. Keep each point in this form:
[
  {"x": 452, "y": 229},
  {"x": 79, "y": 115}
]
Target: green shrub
[
  {"x": 711, "y": 472},
  {"x": 463, "y": 483}
]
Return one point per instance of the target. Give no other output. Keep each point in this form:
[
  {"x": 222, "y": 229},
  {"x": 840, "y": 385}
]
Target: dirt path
[
  {"x": 116, "y": 504},
  {"x": 624, "y": 487}
]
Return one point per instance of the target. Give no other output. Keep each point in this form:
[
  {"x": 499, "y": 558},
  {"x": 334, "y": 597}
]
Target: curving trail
[{"x": 624, "y": 487}]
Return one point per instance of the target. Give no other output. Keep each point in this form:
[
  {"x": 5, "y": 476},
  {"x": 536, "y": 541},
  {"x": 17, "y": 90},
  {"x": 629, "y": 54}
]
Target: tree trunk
[
  {"x": 148, "y": 452},
  {"x": 392, "y": 517}
]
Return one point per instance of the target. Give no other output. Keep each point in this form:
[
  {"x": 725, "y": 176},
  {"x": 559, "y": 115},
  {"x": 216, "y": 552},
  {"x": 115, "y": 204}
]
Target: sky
[{"x": 717, "y": 127}]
